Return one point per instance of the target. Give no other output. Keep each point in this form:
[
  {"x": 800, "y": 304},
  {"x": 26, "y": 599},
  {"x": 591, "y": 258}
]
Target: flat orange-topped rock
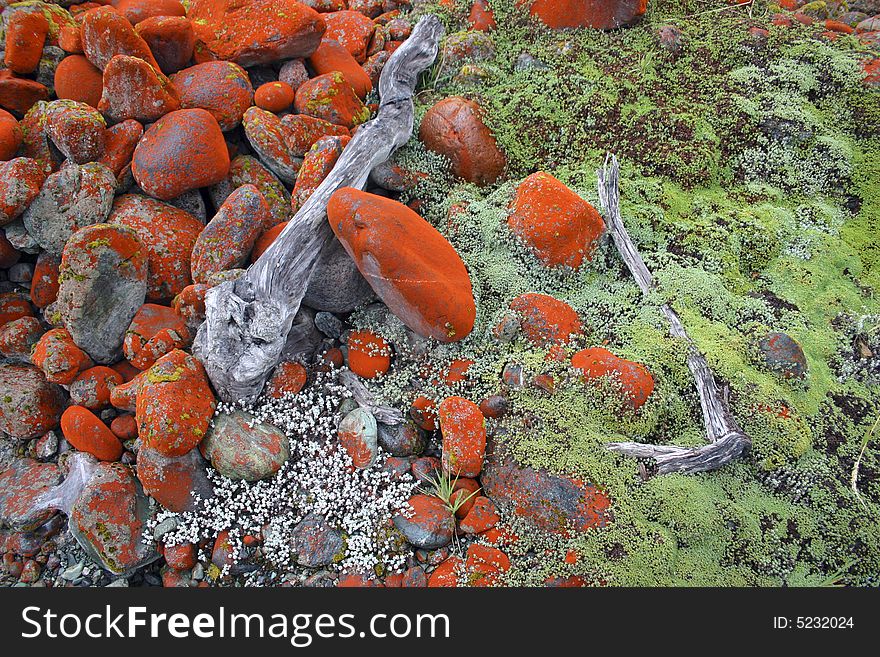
[
  {"x": 407, "y": 262},
  {"x": 256, "y": 31},
  {"x": 556, "y": 224},
  {"x": 598, "y": 14}
]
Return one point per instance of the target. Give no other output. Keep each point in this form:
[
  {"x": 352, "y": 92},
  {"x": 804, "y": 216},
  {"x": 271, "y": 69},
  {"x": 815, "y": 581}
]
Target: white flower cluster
[{"x": 317, "y": 478}]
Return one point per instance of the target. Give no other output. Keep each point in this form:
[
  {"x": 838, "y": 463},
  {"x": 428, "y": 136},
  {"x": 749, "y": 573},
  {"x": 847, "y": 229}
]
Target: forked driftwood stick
[
  {"x": 726, "y": 439},
  {"x": 248, "y": 320}
]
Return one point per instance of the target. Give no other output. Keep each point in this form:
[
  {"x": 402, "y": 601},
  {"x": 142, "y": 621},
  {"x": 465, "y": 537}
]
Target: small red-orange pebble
[{"x": 274, "y": 96}]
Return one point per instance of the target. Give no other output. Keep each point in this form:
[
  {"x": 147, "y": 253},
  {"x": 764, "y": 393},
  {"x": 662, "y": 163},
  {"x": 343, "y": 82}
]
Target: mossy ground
[{"x": 751, "y": 184}]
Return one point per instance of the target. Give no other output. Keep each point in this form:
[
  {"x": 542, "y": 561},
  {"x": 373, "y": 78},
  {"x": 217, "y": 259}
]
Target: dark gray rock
[{"x": 336, "y": 285}]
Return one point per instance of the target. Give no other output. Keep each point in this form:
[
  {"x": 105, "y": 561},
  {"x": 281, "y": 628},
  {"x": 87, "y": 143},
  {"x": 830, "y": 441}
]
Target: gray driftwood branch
[
  {"x": 726, "y": 440},
  {"x": 248, "y": 320}
]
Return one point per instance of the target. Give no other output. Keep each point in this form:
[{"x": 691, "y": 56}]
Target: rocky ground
[{"x": 472, "y": 340}]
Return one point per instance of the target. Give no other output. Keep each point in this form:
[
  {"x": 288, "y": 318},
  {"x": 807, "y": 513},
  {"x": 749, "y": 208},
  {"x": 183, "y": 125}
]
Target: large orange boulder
[
  {"x": 257, "y": 31},
  {"x": 636, "y": 382},
  {"x": 556, "y": 224},
  {"x": 221, "y": 88},
  {"x": 183, "y": 150},
  {"x": 174, "y": 404},
  {"x": 85, "y": 431},
  {"x": 598, "y": 14},
  {"x": 454, "y": 128},
  {"x": 407, "y": 262}
]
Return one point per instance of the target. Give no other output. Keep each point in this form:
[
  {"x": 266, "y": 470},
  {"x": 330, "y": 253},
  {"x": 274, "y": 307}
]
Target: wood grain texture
[
  {"x": 726, "y": 440},
  {"x": 248, "y": 320}
]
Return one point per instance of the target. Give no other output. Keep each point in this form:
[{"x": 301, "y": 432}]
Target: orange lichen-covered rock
[
  {"x": 274, "y": 96},
  {"x": 109, "y": 519},
  {"x": 85, "y": 431},
  {"x": 169, "y": 235},
  {"x": 481, "y": 517},
  {"x": 464, "y": 436},
  {"x": 369, "y": 354},
  {"x": 14, "y": 306},
  {"x": 10, "y": 135},
  {"x": 485, "y": 564},
  {"x": 136, "y": 11},
  {"x": 174, "y": 481},
  {"x": 545, "y": 320},
  {"x": 635, "y": 380},
  {"x": 183, "y": 150},
  {"x": 174, "y": 404},
  {"x": 106, "y": 33},
  {"x": 464, "y": 493},
  {"x": 556, "y": 224},
  {"x": 265, "y": 240},
  {"x": 598, "y": 14},
  {"x": 301, "y": 132},
  {"x": 18, "y": 337},
  {"x": 267, "y": 135},
  {"x": 222, "y": 88},
  {"x": 424, "y": 413},
  {"x": 430, "y": 525},
  {"x": 25, "y": 35},
  {"x": 190, "y": 305},
  {"x": 447, "y": 573},
  {"x": 93, "y": 386},
  {"x": 227, "y": 240},
  {"x": 59, "y": 357},
  {"x": 287, "y": 379},
  {"x": 330, "y": 97},
  {"x": 154, "y": 331},
  {"x": 332, "y": 56},
  {"x": 22, "y": 483},
  {"x": 171, "y": 40},
  {"x": 408, "y": 263},
  {"x": 124, "y": 427},
  {"x": 20, "y": 183},
  {"x": 135, "y": 90},
  {"x": 554, "y": 503},
  {"x": 352, "y": 30},
  {"x": 240, "y": 447},
  {"x": 119, "y": 144},
  {"x": 481, "y": 17},
  {"x": 76, "y": 78},
  {"x": 316, "y": 166},
  {"x": 247, "y": 170},
  {"x": 30, "y": 405},
  {"x": 454, "y": 128},
  {"x": 258, "y": 31},
  {"x": 20, "y": 94},
  {"x": 70, "y": 39},
  {"x": 103, "y": 277},
  {"x": 76, "y": 129}
]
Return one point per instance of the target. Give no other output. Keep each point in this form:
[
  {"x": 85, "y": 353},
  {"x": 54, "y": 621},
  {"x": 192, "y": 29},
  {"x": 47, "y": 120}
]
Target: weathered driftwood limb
[
  {"x": 726, "y": 439},
  {"x": 248, "y": 320},
  {"x": 383, "y": 414}
]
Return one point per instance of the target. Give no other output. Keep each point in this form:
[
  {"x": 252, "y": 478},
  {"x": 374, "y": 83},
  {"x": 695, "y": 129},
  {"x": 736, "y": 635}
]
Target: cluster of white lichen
[{"x": 318, "y": 478}]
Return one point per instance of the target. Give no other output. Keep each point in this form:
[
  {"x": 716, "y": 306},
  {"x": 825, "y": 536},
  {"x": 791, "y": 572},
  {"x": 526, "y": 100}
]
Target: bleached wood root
[
  {"x": 248, "y": 320},
  {"x": 726, "y": 440}
]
